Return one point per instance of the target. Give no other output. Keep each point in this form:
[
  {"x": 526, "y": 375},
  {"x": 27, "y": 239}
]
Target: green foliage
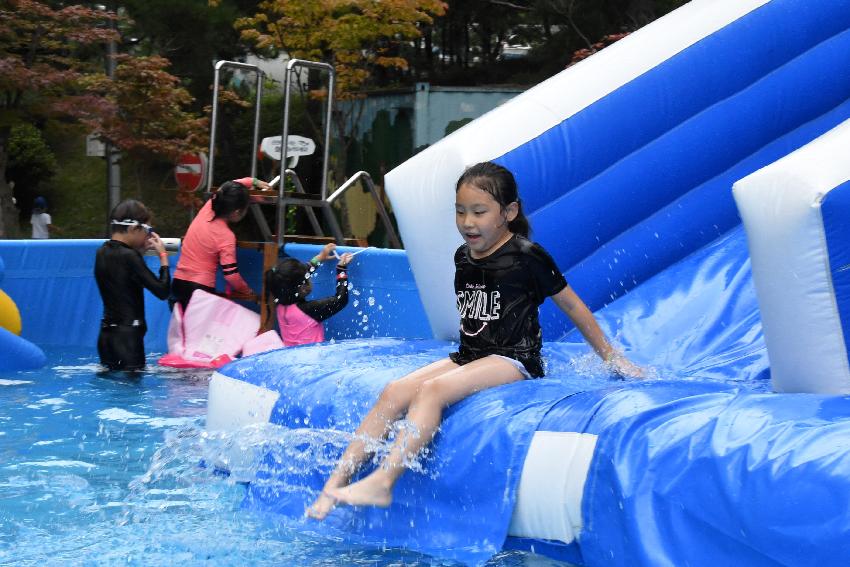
[
  {"x": 53, "y": 66},
  {"x": 465, "y": 45},
  {"x": 358, "y": 37},
  {"x": 77, "y": 193},
  {"x": 457, "y": 125},
  {"x": 31, "y": 161},
  {"x": 191, "y": 34}
]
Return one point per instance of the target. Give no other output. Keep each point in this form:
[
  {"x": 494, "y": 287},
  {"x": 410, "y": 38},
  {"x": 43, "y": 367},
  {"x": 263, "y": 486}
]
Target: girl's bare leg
[
  {"x": 426, "y": 410},
  {"x": 392, "y": 404}
]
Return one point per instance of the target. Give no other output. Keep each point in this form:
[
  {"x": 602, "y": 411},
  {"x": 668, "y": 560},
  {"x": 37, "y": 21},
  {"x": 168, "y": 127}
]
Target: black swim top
[
  {"x": 321, "y": 309},
  {"x": 121, "y": 275},
  {"x": 498, "y": 298}
]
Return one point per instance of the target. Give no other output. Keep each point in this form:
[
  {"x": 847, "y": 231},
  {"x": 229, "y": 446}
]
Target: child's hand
[
  {"x": 345, "y": 259},
  {"x": 155, "y": 243},
  {"x": 262, "y": 185},
  {"x": 623, "y": 367},
  {"x": 326, "y": 252},
  {"x": 249, "y": 296}
]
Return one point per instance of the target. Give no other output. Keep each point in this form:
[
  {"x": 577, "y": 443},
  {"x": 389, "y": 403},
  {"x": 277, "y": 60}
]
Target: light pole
[{"x": 113, "y": 167}]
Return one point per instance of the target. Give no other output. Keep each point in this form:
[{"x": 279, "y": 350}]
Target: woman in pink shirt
[{"x": 210, "y": 243}]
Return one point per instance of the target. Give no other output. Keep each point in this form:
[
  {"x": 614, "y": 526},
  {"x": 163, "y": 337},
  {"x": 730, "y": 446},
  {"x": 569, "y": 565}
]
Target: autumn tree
[
  {"x": 191, "y": 35},
  {"x": 360, "y": 38},
  {"x": 51, "y": 66}
]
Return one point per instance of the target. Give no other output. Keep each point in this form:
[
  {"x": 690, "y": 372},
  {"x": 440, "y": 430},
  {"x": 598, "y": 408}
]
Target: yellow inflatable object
[{"x": 10, "y": 317}]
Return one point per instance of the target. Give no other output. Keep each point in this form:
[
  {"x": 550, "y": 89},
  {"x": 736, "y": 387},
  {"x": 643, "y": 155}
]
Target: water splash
[{"x": 128, "y": 475}]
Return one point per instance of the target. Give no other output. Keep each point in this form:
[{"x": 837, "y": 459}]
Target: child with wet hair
[
  {"x": 501, "y": 279},
  {"x": 122, "y": 276},
  {"x": 289, "y": 283}
]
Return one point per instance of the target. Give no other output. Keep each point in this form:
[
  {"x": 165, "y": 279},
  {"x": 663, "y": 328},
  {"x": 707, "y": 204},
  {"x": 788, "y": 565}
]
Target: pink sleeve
[
  {"x": 227, "y": 260},
  {"x": 237, "y": 284}
]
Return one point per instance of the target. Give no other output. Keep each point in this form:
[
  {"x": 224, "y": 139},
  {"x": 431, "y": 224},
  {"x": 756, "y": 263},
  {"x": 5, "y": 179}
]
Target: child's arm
[
  {"x": 159, "y": 286},
  {"x": 229, "y": 267},
  {"x": 572, "y": 305},
  {"x": 53, "y": 229},
  {"x": 326, "y": 252},
  {"x": 253, "y": 183},
  {"x": 321, "y": 309}
]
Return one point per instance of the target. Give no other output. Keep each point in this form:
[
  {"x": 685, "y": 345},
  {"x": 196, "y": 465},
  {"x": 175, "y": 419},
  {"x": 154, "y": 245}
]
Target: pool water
[{"x": 99, "y": 469}]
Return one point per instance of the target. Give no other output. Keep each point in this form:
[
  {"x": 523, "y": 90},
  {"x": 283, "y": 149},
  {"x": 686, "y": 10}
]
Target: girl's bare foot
[
  {"x": 322, "y": 506},
  {"x": 370, "y": 491}
]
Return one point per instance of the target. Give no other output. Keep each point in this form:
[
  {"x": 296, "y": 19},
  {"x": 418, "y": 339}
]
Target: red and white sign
[{"x": 191, "y": 171}]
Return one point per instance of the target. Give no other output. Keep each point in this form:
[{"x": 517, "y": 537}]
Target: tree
[
  {"x": 360, "y": 38},
  {"x": 30, "y": 158},
  {"x": 51, "y": 66},
  {"x": 140, "y": 110},
  {"x": 472, "y": 34},
  {"x": 190, "y": 34}
]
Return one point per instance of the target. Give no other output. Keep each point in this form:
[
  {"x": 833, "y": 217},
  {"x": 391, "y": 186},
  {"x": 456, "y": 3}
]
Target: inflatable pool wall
[
  {"x": 625, "y": 160},
  {"x": 53, "y": 282},
  {"x": 797, "y": 215}
]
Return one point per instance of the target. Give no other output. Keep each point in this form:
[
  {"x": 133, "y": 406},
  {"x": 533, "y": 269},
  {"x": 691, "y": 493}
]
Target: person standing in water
[
  {"x": 122, "y": 275},
  {"x": 501, "y": 279}
]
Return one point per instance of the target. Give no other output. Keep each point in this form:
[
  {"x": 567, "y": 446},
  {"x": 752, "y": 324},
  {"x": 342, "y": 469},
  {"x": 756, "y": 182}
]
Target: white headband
[{"x": 127, "y": 222}]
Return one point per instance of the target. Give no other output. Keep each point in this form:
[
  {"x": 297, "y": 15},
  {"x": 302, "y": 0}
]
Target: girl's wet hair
[
  {"x": 129, "y": 209},
  {"x": 284, "y": 281},
  {"x": 231, "y": 196},
  {"x": 499, "y": 182}
]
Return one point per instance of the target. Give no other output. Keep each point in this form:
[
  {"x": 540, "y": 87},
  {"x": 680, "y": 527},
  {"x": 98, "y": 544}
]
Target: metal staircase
[{"x": 280, "y": 198}]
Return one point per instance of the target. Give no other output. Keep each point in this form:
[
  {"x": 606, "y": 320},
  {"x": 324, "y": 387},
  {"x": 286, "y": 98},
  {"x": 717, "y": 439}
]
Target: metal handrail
[
  {"x": 214, "y": 119},
  {"x": 311, "y": 216},
  {"x": 291, "y": 65},
  {"x": 382, "y": 211}
]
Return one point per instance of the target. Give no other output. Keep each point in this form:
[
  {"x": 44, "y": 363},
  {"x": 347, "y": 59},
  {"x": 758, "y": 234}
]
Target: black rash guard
[
  {"x": 498, "y": 298},
  {"x": 121, "y": 276},
  {"x": 321, "y": 309}
]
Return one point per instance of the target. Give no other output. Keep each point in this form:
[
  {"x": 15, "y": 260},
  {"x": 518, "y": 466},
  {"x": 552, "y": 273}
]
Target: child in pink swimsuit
[{"x": 288, "y": 284}]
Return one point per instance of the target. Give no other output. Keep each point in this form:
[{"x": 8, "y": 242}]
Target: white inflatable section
[
  {"x": 234, "y": 404},
  {"x": 548, "y": 504},
  {"x": 781, "y": 209},
  {"x": 422, "y": 188}
]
